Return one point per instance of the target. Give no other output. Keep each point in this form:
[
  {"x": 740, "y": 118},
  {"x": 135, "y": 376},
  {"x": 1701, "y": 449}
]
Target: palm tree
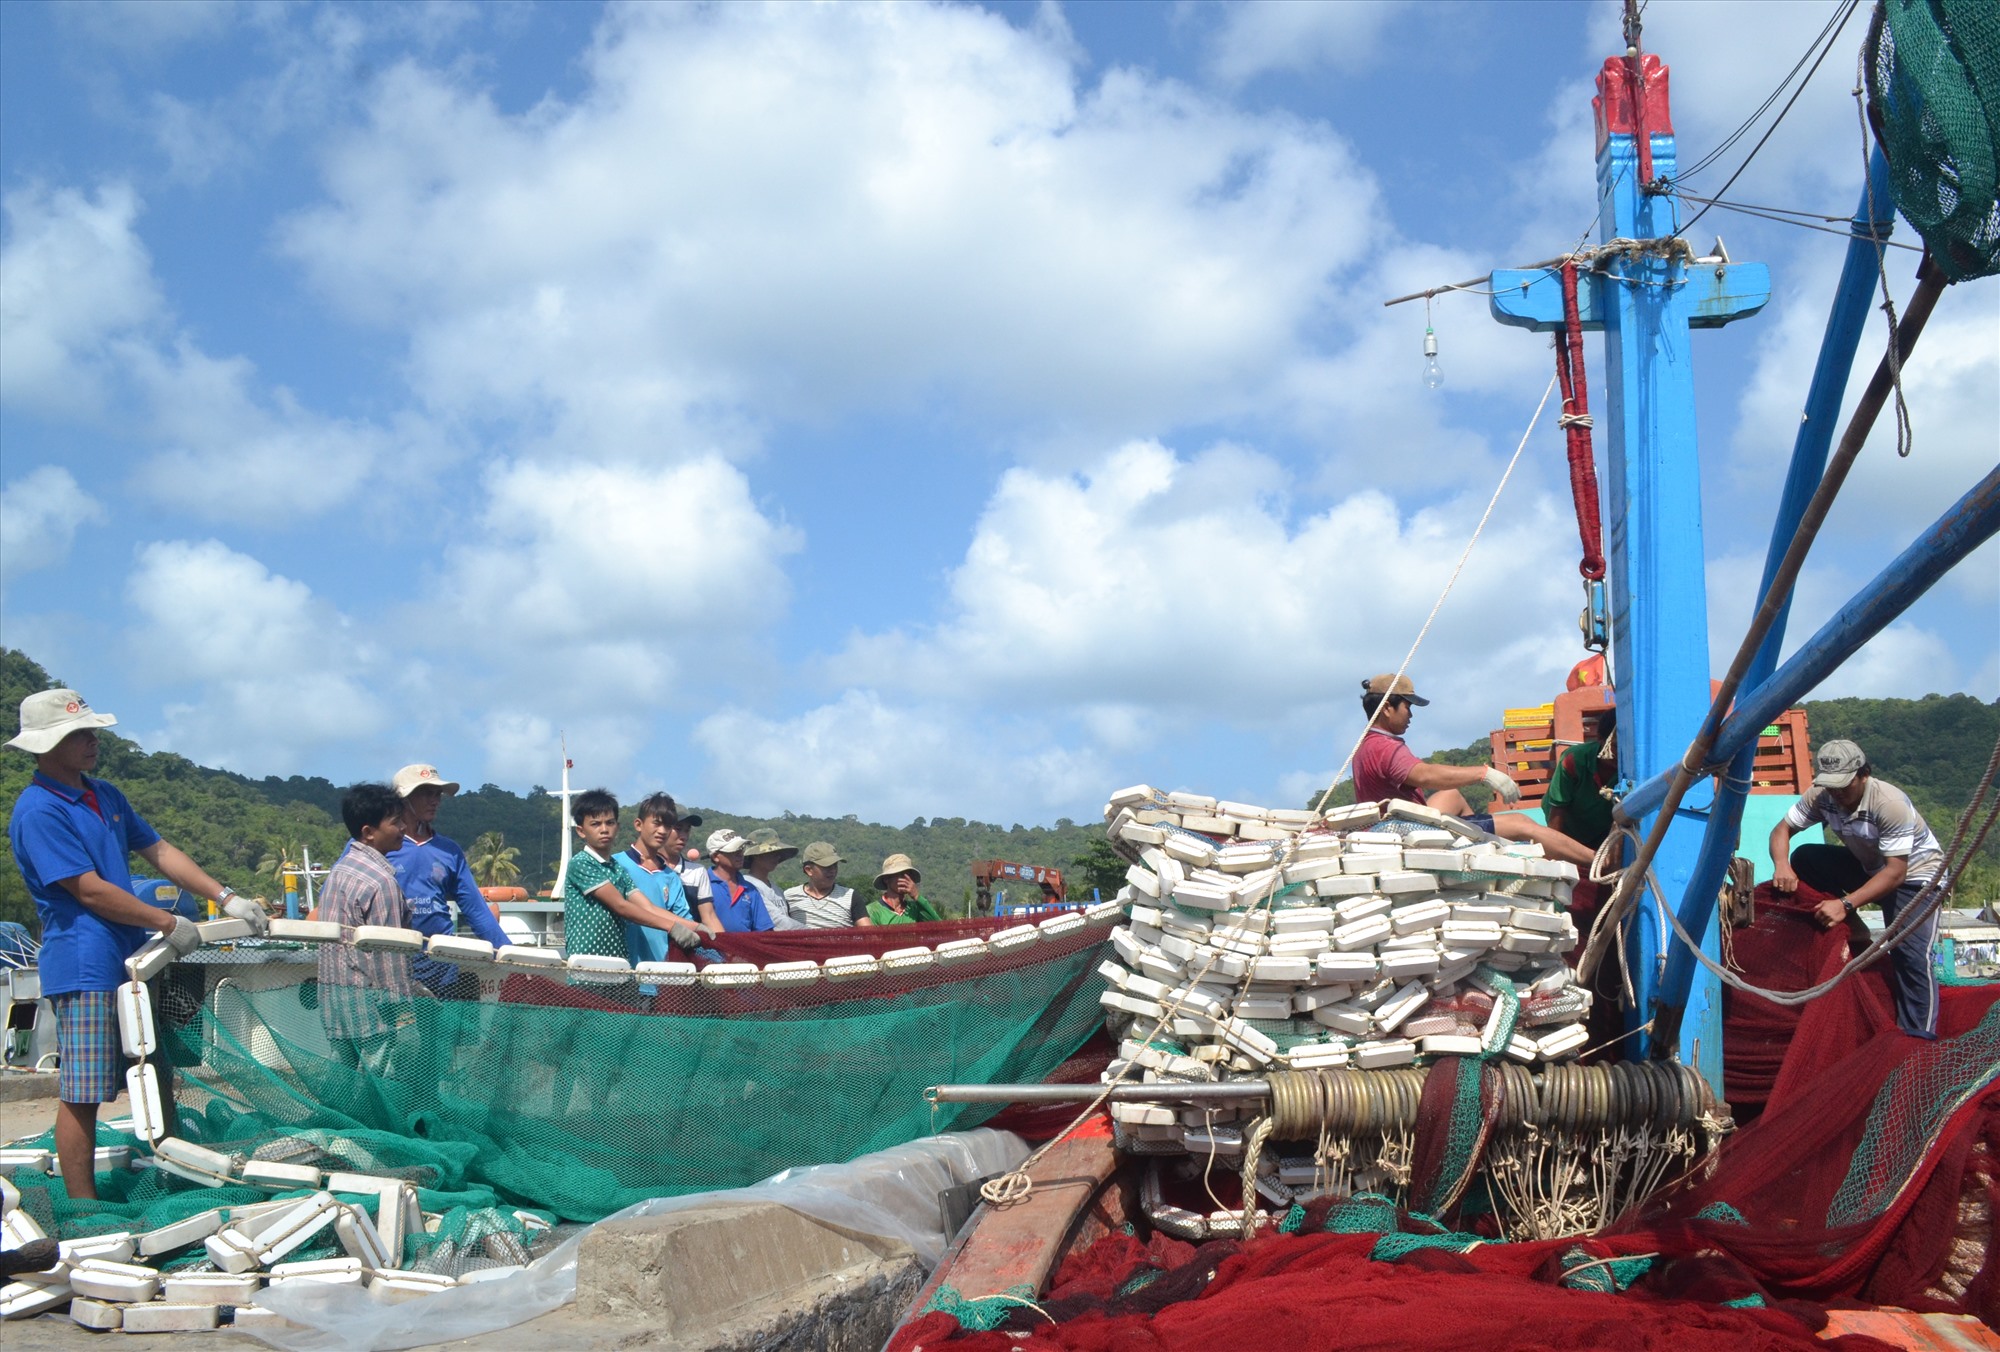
[
  {"x": 279, "y": 856},
  {"x": 492, "y": 860}
]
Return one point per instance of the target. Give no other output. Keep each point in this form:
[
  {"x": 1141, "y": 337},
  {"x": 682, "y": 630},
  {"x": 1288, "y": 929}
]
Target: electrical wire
[
  {"x": 1775, "y": 216},
  {"x": 1843, "y": 11},
  {"x": 1782, "y": 114}
]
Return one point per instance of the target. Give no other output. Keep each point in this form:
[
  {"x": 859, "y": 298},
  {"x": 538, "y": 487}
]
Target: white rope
[{"x": 1449, "y": 583}]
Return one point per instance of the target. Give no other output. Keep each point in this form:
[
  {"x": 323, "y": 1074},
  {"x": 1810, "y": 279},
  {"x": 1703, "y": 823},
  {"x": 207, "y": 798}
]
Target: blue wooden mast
[{"x": 1644, "y": 290}]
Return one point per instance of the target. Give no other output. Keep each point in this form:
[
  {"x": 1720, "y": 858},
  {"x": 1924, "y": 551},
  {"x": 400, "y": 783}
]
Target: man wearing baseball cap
[
  {"x": 1886, "y": 855},
  {"x": 737, "y": 904},
  {"x": 1385, "y": 767},
  {"x": 434, "y": 875},
  {"x": 820, "y": 902},
  {"x": 73, "y": 837}
]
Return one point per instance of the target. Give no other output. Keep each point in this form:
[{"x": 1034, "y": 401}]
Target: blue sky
[{"x": 911, "y": 410}]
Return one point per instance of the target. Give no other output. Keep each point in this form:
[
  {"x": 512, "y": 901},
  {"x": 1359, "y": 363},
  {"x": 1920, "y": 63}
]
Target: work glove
[
  {"x": 250, "y": 911},
  {"x": 183, "y": 938},
  {"x": 1501, "y": 785}
]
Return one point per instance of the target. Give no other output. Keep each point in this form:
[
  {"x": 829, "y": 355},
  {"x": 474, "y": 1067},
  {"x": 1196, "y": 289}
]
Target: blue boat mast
[{"x": 1644, "y": 289}]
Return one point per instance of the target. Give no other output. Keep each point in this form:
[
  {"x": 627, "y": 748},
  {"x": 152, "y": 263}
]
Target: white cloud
[
  {"x": 73, "y": 275},
  {"x": 1259, "y": 36},
  {"x": 621, "y": 573},
  {"x": 40, "y": 513},
  {"x": 808, "y": 211},
  {"x": 279, "y": 674},
  {"x": 1164, "y": 583},
  {"x": 899, "y": 760},
  {"x": 85, "y": 336},
  {"x": 147, "y": 28}
]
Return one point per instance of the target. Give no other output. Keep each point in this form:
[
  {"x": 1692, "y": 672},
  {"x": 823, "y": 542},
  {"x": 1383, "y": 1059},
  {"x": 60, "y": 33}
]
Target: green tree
[
  {"x": 1099, "y": 866},
  {"x": 492, "y": 860}
]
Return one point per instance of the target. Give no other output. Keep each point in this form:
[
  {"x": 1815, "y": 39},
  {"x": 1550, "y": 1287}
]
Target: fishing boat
[{"x": 1866, "y": 1181}]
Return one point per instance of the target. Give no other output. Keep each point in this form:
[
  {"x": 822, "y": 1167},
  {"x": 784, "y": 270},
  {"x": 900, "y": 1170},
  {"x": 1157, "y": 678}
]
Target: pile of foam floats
[{"x": 1376, "y": 936}]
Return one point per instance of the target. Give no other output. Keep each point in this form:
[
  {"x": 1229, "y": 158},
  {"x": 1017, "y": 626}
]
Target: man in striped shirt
[
  {"x": 1887, "y": 855},
  {"x": 366, "y": 998}
]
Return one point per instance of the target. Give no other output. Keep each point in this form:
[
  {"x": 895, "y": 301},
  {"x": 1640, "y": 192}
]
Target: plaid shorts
[{"x": 93, "y": 1060}]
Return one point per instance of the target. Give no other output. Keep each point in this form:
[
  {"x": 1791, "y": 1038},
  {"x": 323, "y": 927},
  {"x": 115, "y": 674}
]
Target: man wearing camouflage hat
[{"x": 1887, "y": 855}]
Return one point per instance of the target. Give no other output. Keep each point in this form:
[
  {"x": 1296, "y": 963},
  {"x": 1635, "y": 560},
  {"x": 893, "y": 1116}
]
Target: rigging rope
[{"x": 1576, "y": 423}]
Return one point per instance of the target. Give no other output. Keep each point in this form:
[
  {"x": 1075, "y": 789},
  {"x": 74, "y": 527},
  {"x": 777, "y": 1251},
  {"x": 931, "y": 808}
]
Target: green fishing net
[
  {"x": 1933, "y": 71},
  {"x": 546, "y": 1103}
]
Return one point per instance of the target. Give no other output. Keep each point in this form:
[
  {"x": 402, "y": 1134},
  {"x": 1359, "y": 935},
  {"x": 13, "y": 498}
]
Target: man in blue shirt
[
  {"x": 73, "y": 837},
  {"x": 737, "y": 904},
  {"x": 434, "y": 873}
]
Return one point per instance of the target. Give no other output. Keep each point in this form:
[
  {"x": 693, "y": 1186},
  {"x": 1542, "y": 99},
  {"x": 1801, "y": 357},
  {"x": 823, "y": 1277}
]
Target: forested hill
[{"x": 1935, "y": 747}]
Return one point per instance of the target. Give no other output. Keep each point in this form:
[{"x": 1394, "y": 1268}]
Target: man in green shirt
[
  {"x": 900, "y": 904},
  {"x": 1575, "y": 803}
]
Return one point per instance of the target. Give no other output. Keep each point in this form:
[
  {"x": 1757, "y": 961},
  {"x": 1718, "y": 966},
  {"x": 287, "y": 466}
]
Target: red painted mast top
[{"x": 1631, "y": 106}]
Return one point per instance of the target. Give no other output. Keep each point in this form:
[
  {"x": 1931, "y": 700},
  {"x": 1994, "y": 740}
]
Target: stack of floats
[
  {"x": 1375, "y": 937},
  {"x": 1330, "y": 959},
  {"x": 225, "y": 1256}
]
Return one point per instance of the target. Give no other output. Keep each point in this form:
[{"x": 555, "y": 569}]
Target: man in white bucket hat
[{"x": 73, "y": 837}]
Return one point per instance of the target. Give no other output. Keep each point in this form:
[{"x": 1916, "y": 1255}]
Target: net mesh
[
  {"x": 549, "y": 1103},
  {"x": 1933, "y": 71}
]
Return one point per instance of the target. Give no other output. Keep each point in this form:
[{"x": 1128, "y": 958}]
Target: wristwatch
[
  {"x": 1848, "y": 904},
  {"x": 227, "y": 892}
]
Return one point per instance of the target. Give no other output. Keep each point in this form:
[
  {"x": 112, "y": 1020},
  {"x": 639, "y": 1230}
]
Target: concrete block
[
  {"x": 773, "y": 1256},
  {"x": 257, "y": 1319},
  {"x": 171, "y": 1317}
]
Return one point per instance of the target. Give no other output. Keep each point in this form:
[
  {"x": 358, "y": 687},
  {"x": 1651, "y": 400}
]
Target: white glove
[
  {"x": 183, "y": 938},
  {"x": 248, "y": 910},
  {"x": 1501, "y": 785}
]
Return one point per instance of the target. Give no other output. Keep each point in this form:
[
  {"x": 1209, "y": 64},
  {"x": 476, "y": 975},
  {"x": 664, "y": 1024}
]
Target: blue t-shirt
[
  {"x": 665, "y": 891},
  {"x": 740, "y": 909},
  {"x": 57, "y": 834},
  {"x": 434, "y": 873}
]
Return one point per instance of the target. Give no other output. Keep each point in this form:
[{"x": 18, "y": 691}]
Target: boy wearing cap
[
  {"x": 820, "y": 902},
  {"x": 738, "y": 905},
  {"x": 73, "y": 837},
  {"x": 598, "y": 892},
  {"x": 1385, "y": 767},
  {"x": 900, "y": 903},
  {"x": 434, "y": 874},
  {"x": 1887, "y": 854}
]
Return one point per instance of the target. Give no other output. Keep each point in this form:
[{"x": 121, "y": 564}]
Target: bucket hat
[
  {"x": 48, "y": 716},
  {"x": 894, "y": 864}
]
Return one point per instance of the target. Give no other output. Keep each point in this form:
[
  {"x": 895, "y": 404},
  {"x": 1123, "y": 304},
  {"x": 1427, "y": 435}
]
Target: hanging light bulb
[{"x": 1433, "y": 375}]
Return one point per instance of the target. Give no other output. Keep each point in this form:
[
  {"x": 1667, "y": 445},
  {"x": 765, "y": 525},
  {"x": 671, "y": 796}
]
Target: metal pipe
[
  {"x": 1083, "y": 1093},
  {"x": 1873, "y": 221}
]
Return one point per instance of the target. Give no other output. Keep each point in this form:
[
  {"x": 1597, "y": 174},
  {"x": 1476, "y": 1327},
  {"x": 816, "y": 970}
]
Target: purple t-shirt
[{"x": 1380, "y": 766}]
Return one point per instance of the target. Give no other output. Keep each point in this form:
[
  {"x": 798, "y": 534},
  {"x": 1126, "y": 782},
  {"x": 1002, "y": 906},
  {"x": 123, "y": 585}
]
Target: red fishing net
[{"x": 1872, "y": 1176}]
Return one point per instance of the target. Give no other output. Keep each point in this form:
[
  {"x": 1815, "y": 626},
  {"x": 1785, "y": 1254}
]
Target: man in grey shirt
[
  {"x": 1887, "y": 854},
  {"x": 820, "y": 902}
]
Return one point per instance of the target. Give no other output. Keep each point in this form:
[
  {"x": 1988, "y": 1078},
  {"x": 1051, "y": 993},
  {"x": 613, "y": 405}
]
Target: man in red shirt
[{"x": 1385, "y": 767}]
